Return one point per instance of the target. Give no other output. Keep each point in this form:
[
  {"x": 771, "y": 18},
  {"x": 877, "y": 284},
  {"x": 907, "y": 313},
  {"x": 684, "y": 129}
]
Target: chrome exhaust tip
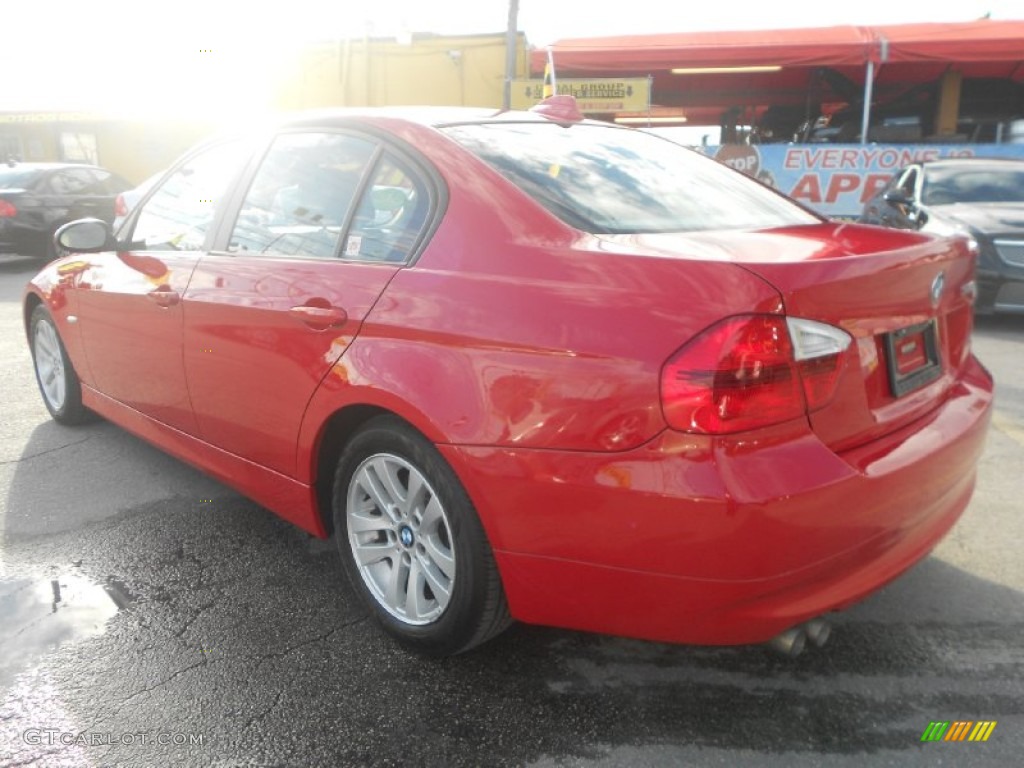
[
  {"x": 790, "y": 643},
  {"x": 818, "y": 631}
]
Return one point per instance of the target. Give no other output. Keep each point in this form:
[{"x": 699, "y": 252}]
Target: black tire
[
  {"x": 53, "y": 369},
  {"x": 474, "y": 609}
]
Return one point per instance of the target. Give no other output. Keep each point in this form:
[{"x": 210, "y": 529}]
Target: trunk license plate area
[{"x": 913, "y": 357}]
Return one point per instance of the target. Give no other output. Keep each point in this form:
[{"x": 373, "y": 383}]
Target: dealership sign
[
  {"x": 597, "y": 95},
  {"x": 837, "y": 179}
]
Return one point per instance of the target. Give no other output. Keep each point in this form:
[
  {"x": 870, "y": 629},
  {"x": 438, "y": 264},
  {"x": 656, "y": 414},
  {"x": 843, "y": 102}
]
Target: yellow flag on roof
[{"x": 549, "y": 77}]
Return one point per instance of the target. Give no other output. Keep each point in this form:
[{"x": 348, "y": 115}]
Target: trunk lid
[{"x": 875, "y": 284}]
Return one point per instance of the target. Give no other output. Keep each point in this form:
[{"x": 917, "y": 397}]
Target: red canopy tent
[{"x": 892, "y": 58}]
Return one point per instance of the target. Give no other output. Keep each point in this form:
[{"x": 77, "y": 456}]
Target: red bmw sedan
[{"x": 526, "y": 366}]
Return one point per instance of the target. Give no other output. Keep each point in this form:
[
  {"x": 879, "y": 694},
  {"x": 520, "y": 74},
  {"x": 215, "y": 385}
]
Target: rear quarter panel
[{"x": 513, "y": 329}]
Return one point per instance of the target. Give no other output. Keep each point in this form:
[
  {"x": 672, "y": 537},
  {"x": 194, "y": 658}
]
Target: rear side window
[
  {"x": 300, "y": 198},
  {"x": 72, "y": 181},
  {"x": 108, "y": 183},
  {"x": 391, "y": 214},
  {"x": 606, "y": 180}
]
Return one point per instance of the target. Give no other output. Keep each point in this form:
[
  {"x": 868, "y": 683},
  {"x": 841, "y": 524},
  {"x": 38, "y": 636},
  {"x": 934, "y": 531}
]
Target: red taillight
[
  {"x": 745, "y": 372},
  {"x": 7, "y": 210},
  {"x": 120, "y": 207}
]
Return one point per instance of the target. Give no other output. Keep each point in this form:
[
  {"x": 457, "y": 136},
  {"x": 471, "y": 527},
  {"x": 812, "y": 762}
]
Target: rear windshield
[
  {"x": 16, "y": 178},
  {"x": 608, "y": 180}
]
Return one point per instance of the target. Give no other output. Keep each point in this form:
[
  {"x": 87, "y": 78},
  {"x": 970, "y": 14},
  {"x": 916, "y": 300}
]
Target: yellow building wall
[
  {"x": 465, "y": 70},
  {"x": 30, "y": 137},
  {"x": 133, "y": 149},
  {"x": 138, "y": 149}
]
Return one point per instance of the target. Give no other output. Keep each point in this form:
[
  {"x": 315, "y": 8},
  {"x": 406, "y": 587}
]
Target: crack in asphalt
[
  {"x": 50, "y": 450},
  {"x": 190, "y": 621},
  {"x": 281, "y": 654},
  {"x": 265, "y": 712},
  {"x": 204, "y": 662}
]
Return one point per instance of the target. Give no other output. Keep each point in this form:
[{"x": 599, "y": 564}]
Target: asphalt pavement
[{"x": 151, "y": 616}]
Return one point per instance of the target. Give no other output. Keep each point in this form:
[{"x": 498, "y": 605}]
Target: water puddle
[{"x": 38, "y": 615}]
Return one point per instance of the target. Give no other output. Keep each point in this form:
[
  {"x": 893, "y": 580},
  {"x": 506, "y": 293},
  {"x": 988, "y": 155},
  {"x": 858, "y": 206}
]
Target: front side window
[
  {"x": 616, "y": 181},
  {"x": 300, "y": 198},
  {"x": 179, "y": 213}
]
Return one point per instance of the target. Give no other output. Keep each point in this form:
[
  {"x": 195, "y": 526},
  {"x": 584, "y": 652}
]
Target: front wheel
[
  {"x": 58, "y": 382},
  {"x": 412, "y": 544}
]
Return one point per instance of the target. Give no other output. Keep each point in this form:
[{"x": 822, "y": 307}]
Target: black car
[
  {"x": 37, "y": 198},
  {"x": 982, "y": 198}
]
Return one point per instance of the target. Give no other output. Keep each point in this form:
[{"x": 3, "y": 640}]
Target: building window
[
  {"x": 10, "y": 148},
  {"x": 78, "y": 147}
]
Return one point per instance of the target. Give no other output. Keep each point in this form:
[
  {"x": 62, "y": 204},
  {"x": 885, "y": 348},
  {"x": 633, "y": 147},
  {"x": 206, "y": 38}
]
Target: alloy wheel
[
  {"x": 49, "y": 362},
  {"x": 401, "y": 539}
]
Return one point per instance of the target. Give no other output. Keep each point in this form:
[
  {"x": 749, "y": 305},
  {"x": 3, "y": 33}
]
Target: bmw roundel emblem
[
  {"x": 938, "y": 286},
  {"x": 405, "y": 535}
]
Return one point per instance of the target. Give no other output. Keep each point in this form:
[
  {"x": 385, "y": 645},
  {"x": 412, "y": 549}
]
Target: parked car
[
  {"x": 981, "y": 198},
  {"x": 989, "y": 111},
  {"x": 526, "y": 366},
  {"x": 37, "y": 198}
]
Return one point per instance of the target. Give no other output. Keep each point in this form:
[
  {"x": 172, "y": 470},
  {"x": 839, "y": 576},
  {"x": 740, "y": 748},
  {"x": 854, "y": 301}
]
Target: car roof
[
  {"x": 972, "y": 162},
  {"x": 48, "y": 166},
  {"x": 432, "y": 117}
]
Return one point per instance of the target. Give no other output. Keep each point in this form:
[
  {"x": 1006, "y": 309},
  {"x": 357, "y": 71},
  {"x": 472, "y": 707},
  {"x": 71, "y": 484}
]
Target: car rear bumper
[
  {"x": 999, "y": 292},
  {"x": 16, "y": 239},
  {"x": 705, "y": 541},
  {"x": 999, "y": 289}
]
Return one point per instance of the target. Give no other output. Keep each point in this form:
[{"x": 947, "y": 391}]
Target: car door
[
  {"x": 326, "y": 221},
  {"x": 78, "y": 193},
  {"x": 54, "y": 203},
  {"x": 130, "y": 300}
]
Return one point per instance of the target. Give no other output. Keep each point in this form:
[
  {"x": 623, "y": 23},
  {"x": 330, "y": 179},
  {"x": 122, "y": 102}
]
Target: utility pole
[{"x": 511, "y": 49}]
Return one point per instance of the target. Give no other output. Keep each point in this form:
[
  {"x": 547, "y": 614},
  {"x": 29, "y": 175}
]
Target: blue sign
[{"x": 837, "y": 179}]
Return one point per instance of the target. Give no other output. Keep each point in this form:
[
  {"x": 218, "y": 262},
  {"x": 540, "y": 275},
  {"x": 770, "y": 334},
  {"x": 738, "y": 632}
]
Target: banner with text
[
  {"x": 596, "y": 95},
  {"x": 837, "y": 179}
]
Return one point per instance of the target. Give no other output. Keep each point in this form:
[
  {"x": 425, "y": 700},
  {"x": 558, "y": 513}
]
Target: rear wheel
[
  {"x": 58, "y": 382},
  {"x": 412, "y": 544}
]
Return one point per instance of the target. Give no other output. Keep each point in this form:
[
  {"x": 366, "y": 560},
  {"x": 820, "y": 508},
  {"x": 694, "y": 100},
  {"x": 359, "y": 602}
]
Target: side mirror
[
  {"x": 898, "y": 197},
  {"x": 85, "y": 236}
]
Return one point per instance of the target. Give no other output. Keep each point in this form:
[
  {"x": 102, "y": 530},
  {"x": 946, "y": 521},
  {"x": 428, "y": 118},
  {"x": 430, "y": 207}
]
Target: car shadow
[{"x": 244, "y": 627}]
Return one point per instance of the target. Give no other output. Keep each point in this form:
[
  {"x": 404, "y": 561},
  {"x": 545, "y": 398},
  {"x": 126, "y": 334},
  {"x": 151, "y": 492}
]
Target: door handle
[
  {"x": 319, "y": 318},
  {"x": 164, "y": 296}
]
